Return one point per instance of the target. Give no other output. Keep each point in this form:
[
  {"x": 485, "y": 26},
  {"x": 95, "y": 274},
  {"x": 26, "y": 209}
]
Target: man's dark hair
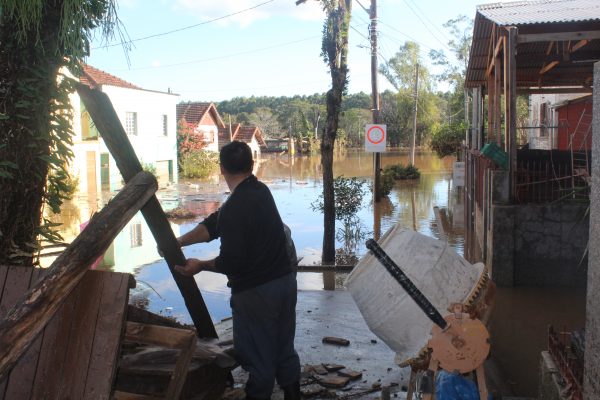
[{"x": 236, "y": 158}]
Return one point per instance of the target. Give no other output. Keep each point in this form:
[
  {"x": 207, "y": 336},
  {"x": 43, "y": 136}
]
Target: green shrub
[
  {"x": 349, "y": 194},
  {"x": 199, "y": 164},
  {"x": 447, "y": 139},
  {"x": 399, "y": 171}
]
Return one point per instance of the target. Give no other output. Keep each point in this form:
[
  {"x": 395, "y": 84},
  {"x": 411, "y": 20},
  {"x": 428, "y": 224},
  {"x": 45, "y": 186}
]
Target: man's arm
[
  {"x": 197, "y": 235},
  {"x": 193, "y": 266}
]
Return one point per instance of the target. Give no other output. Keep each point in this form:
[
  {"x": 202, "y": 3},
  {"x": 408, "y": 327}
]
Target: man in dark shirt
[{"x": 254, "y": 257}]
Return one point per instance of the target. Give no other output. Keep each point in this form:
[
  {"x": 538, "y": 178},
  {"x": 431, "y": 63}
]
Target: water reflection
[{"x": 295, "y": 184}]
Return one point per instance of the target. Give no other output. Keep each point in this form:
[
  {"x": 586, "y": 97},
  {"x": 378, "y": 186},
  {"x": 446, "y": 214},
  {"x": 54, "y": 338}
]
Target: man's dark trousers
[{"x": 264, "y": 327}]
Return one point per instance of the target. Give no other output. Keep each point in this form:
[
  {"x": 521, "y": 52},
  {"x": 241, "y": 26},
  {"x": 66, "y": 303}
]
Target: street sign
[{"x": 375, "y": 138}]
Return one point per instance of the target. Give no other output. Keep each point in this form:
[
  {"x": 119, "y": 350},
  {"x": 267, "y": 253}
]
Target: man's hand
[{"x": 192, "y": 267}]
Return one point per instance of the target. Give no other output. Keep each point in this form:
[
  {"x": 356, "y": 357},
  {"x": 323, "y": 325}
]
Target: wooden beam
[
  {"x": 581, "y": 89},
  {"x": 36, "y": 308},
  {"x": 325, "y": 268},
  {"x": 579, "y": 45},
  {"x": 510, "y": 104},
  {"x": 171, "y": 338},
  {"x": 548, "y": 67},
  {"x": 499, "y": 45},
  {"x": 557, "y": 36},
  {"x": 107, "y": 122}
]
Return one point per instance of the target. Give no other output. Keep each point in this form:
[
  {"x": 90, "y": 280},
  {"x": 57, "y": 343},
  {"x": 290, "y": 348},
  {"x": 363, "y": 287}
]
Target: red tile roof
[
  {"x": 224, "y": 137},
  {"x": 192, "y": 113},
  {"x": 246, "y": 133},
  {"x": 94, "y": 78}
]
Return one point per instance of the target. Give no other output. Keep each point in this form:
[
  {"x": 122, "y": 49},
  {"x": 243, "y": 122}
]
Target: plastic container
[
  {"x": 496, "y": 154},
  {"x": 432, "y": 265}
]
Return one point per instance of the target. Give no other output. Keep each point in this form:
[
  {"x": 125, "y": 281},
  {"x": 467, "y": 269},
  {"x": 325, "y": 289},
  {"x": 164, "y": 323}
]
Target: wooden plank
[
  {"x": 157, "y": 335},
  {"x": 181, "y": 368},
  {"x": 3, "y": 272},
  {"x": 171, "y": 338},
  {"x": 20, "y": 381},
  {"x": 132, "y": 396},
  {"x": 548, "y": 67},
  {"x": 107, "y": 339},
  {"x": 107, "y": 122},
  {"x": 55, "y": 342},
  {"x": 510, "y": 106},
  {"x": 82, "y": 335},
  {"x": 579, "y": 45},
  {"x": 16, "y": 283},
  {"x": 35, "y": 309},
  {"x": 557, "y": 36}
]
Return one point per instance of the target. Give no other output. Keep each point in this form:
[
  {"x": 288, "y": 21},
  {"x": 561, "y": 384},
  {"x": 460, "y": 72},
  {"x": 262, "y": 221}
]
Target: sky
[{"x": 214, "y": 50}]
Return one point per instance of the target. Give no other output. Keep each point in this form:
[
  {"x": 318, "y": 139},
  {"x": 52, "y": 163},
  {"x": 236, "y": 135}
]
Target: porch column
[
  {"x": 510, "y": 104},
  {"x": 591, "y": 373}
]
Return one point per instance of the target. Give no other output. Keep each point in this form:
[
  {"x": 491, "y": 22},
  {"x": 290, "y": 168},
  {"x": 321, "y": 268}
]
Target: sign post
[{"x": 375, "y": 138}]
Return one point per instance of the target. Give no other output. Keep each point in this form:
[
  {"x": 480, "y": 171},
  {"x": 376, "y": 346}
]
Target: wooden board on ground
[{"x": 75, "y": 356}]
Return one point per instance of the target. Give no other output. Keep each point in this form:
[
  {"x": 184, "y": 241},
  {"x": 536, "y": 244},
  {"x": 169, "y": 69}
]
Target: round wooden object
[{"x": 462, "y": 347}]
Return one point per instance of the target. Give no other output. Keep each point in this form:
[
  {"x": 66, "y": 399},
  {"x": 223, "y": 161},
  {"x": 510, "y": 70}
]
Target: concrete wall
[
  {"x": 591, "y": 379},
  {"x": 538, "y": 245}
]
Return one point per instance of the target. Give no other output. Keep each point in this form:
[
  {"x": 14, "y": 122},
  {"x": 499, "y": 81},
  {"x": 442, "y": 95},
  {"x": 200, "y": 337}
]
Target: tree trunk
[
  {"x": 335, "y": 48},
  {"x": 28, "y": 70}
]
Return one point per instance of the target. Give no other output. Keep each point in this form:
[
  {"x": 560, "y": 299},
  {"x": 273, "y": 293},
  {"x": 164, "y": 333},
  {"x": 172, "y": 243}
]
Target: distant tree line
[{"x": 440, "y": 116}]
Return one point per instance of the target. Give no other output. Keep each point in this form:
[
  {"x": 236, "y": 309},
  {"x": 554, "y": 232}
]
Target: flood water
[
  {"x": 295, "y": 183},
  {"x": 521, "y": 315}
]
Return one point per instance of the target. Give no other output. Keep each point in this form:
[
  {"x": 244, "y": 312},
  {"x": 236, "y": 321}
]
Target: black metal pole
[{"x": 432, "y": 313}]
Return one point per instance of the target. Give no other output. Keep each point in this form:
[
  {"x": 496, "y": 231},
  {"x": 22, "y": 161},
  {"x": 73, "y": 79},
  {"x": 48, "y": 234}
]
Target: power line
[
  {"x": 221, "y": 57},
  {"x": 405, "y": 34},
  {"x": 425, "y": 24},
  {"x": 427, "y": 18},
  {"x": 184, "y": 28}
]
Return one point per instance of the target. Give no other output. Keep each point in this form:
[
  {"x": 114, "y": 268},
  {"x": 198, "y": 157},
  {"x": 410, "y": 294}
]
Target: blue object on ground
[{"x": 450, "y": 386}]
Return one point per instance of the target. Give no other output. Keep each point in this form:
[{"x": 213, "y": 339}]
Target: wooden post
[
  {"x": 106, "y": 120},
  {"x": 510, "y": 104},
  {"x": 413, "y": 142},
  {"x": 375, "y": 94},
  {"x": 32, "y": 313}
]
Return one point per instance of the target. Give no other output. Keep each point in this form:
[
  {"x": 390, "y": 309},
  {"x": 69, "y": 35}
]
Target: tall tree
[
  {"x": 400, "y": 71},
  {"x": 37, "y": 39},
  {"x": 455, "y": 67},
  {"x": 334, "y": 50}
]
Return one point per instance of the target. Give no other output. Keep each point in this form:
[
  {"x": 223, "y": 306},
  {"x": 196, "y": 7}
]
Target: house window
[
  {"x": 131, "y": 123},
  {"x": 135, "y": 234},
  {"x": 165, "y": 127}
]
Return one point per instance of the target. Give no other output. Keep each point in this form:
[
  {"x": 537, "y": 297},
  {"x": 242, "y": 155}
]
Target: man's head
[{"x": 236, "y": 158}]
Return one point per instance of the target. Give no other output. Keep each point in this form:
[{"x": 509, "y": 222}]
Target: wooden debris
[
  {"x": 320, "y": 369},
  {"x": 333, "y": 367},
  {"x": 350, "y": 373},
  {"x": 332, "y": 381},
  {"x": 336, "y": 340}
]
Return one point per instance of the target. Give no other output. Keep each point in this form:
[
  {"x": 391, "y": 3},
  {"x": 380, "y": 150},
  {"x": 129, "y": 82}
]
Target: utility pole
[
  {"x": 414, "y": 133},
  {"x": 375, "y": 94}
]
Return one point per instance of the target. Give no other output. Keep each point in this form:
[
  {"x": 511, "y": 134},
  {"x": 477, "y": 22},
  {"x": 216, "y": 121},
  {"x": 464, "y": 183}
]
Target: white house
[{"x": 148, "y": 117}]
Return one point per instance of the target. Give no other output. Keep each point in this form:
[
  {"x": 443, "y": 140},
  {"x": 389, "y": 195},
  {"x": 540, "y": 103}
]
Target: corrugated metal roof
[{"x": 541, "y": 11}]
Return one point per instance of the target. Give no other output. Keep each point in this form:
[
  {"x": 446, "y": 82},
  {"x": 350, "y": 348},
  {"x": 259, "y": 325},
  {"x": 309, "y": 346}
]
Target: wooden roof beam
[
  {"x": 548, "y": 67},
  {"x": 579, "y": 45},
  {"x": 557, "y": 36}
]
